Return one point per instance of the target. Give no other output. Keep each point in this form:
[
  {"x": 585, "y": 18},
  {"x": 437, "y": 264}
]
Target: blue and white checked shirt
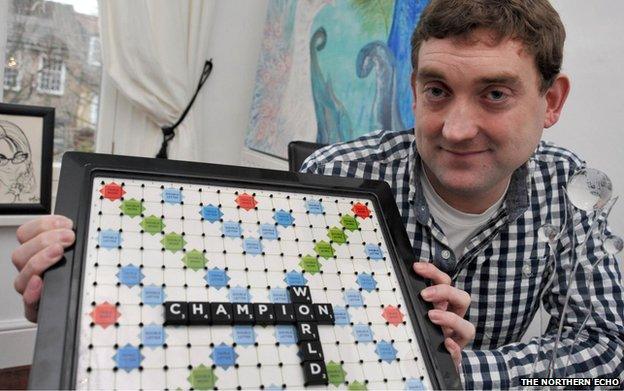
[{"x": 505, "y": 268}]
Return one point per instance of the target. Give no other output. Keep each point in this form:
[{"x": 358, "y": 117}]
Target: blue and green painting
[{"x": 332, "y": 70}]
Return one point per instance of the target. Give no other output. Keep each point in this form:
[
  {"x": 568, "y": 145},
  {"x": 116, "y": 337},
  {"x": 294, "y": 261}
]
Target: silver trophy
[{"x": 588, "y": 191}]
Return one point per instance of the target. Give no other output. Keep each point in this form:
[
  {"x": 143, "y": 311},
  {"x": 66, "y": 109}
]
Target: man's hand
[
  {"x": 450, "y": 306},
  {"x": 42, "y": 243}
]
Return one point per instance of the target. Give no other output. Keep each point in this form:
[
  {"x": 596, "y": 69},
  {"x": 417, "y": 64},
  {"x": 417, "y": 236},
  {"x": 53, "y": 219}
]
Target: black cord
[{"x": 168, "y": 131}]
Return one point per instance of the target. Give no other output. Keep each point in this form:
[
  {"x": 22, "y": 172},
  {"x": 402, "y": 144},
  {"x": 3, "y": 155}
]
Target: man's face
[{"x": 479, "y": 113}]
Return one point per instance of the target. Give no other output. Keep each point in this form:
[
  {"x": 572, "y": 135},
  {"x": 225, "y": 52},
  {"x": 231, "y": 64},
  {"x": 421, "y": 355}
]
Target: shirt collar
[
  {"x": 416, "y": 196},
  {"x": 516, "y": 200}
]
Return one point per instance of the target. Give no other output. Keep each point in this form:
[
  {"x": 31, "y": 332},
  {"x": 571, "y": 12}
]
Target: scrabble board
[{"x": 206, "y": 277}]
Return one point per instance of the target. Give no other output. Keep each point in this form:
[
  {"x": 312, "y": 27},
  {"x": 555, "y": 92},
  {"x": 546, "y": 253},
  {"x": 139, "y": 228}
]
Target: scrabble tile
[
  {"x": 284, "y": 313},
  {"x": 304, "y": 312},
  {"x": 315, "y": 373},
  {"x": 263, "y": 313},
  {"x": 307, "y": 332},
  {"x": 221, "y": 313},
  {"x": 324, "y": 313},
  {"x": 176, "y": 313},
  {"x": 311, "y": 351},
  {"x": 199, "y": 313},
  {"x": 243, "y": 313},
  {"x": 299, "y": 294}
]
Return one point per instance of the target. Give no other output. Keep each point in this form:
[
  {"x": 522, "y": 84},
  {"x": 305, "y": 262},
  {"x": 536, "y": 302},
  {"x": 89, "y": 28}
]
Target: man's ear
[{"x": 556, "y": 96}]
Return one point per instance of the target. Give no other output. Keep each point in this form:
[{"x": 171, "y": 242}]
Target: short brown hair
[{"x": 535, "y": 23}]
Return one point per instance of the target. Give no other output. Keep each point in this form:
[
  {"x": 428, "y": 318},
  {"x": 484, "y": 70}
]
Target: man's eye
[
  {"x": 435, "y": 92},
  {"x": 496, "y": 95}
]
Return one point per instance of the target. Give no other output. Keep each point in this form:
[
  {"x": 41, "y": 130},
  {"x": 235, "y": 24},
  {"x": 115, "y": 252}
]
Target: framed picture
[
  {"x": 332, "y": 71},
  {"x": 26, "y": 141}
]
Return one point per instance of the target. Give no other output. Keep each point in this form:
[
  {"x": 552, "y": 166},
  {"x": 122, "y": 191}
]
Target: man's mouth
[{"x": 464, "y": 153}]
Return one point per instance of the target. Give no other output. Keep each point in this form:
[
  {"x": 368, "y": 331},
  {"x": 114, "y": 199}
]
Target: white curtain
[
  {"x": 4, "y": 22},
  {"x": 153, "y": 52}
]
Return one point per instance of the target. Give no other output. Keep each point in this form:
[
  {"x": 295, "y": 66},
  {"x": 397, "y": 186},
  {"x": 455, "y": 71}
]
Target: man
[{"x": 473, "y": 185}]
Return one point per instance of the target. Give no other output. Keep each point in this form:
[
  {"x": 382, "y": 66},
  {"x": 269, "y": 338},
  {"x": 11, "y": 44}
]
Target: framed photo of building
[{"x": 26, "y": 142}]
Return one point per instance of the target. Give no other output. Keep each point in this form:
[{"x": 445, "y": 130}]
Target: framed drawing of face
[{"x": 26, "y": 141}]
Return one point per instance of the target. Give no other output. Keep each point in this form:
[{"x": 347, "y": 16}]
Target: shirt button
[
  {"x": 526, "y": 270},
  {"x": 446, "y": 254}
]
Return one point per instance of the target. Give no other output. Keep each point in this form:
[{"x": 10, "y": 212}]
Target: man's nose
[{"x": 460, "y": 123}]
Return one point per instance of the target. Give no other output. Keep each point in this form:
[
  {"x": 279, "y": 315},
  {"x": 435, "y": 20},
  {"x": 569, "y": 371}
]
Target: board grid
[{"x": 151, "y": 242}]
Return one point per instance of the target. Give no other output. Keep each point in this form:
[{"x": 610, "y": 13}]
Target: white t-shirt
[{"x": 459, "y": 227}]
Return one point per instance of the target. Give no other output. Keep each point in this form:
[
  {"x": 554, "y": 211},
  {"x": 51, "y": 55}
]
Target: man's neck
[{"x": 467, "y": 202}]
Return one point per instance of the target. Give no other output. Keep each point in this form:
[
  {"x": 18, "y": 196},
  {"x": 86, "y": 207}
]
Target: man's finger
[
  {"x": 39, "y": 263},
  {"x": 31, "y": 297},
  {"x": 458, "y": 300},
  {"x": 448, "y": 332},
  {"x": 34, "y": 227},
  {"x": 441, "y": 305},
  {"x": 463, "y": 331},
  {"x": 428, "y": 270},
  {"x": 455, "y": 351},
  {"x": 61, "y": 236}
]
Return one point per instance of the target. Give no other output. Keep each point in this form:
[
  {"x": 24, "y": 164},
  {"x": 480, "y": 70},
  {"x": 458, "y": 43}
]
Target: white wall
[
  {"x": 16, "y": 333},
  {"x": 593, "y": 117},
  {"x": 594, "y": 54},
  {"x": 235, "y": 47}
]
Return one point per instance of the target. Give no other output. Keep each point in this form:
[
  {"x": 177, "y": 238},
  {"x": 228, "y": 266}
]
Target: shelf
[{"x": 15, "y": 220}]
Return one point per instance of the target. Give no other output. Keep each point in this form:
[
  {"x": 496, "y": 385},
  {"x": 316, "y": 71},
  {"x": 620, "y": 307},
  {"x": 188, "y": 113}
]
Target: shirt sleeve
[
  {"x": 592, "y": 342},
  {"x": 310, "y": 165}
]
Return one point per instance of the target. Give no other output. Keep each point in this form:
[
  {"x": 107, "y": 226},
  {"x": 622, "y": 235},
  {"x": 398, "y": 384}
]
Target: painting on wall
[
  {"x": 331, "y": 71},
  {"x": 26, "y": 140}
]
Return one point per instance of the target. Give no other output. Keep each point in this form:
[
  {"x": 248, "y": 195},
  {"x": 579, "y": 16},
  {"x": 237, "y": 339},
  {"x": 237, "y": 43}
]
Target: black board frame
[{"x": 55, "y": 354}]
